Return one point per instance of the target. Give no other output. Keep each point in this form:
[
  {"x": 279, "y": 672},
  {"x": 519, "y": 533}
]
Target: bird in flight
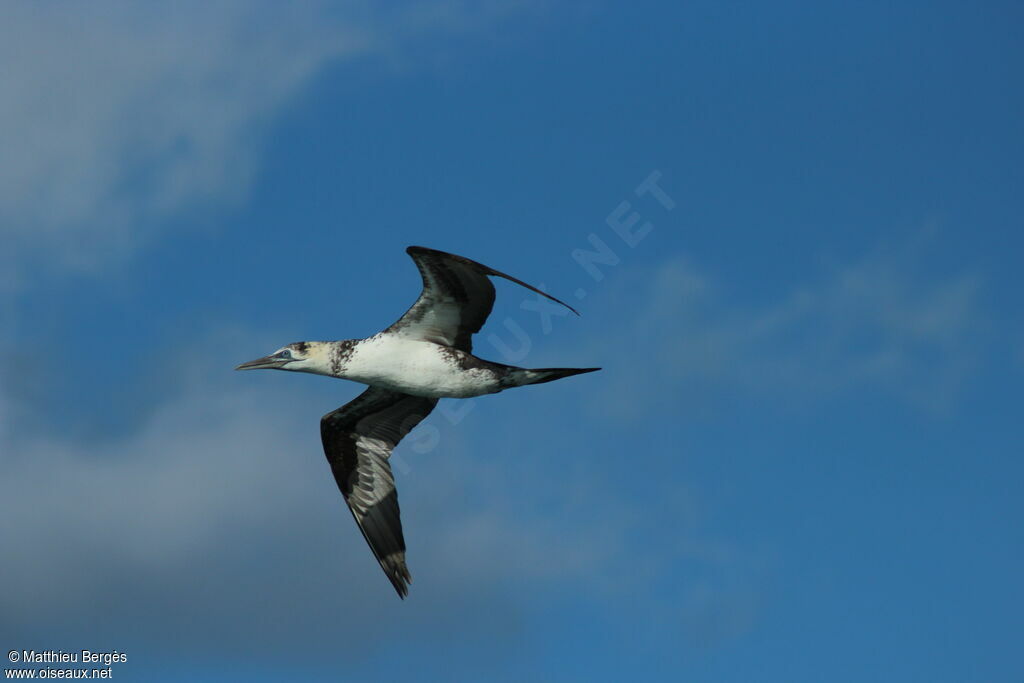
[{"x": 424, "y": 356}]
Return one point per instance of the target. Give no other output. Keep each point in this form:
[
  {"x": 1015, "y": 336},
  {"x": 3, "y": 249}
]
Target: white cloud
[
  {"x": 114, "y": 114},
  {"x": 881, "y": 323},
  {"x": 145, "y": 503}
]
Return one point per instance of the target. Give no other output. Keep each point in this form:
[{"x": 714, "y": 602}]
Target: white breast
[{"x": 415, "y": 367}]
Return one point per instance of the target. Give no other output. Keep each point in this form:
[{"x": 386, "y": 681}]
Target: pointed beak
[{"x": 265, "y": 363}]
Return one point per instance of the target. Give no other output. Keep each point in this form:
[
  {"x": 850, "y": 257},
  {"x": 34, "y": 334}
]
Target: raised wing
[
  {"x": 456, "y": 299},
  {"x": 358, "y": 439}
]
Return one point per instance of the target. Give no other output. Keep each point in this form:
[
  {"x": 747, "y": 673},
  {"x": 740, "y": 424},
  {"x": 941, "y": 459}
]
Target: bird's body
[
  {"x": 424, "y": 356},
  {"x": 421, "y": 368}
]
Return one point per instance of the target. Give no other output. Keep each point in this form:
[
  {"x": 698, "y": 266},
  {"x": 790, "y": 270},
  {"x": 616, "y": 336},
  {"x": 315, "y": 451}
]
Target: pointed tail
[{"x": 522, "y": 376}]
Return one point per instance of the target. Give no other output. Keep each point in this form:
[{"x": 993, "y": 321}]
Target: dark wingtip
[{"x": 413, "y": 249}]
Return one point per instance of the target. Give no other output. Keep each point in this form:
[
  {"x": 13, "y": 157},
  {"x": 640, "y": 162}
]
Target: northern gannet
[{"x": 424, "y": 356}]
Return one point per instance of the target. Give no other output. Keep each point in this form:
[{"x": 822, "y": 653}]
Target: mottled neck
[{"x": 338, "y": 356}]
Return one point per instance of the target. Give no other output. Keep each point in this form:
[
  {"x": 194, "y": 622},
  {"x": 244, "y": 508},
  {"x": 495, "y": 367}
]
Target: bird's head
[{"x": 297, "y": 357}]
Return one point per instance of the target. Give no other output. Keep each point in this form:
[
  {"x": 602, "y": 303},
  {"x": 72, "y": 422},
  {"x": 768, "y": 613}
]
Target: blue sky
[{"x": 802, "y": 458}]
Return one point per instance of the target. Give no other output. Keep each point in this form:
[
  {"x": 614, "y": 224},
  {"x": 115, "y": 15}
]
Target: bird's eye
[{"x": 287, "y": 353}]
